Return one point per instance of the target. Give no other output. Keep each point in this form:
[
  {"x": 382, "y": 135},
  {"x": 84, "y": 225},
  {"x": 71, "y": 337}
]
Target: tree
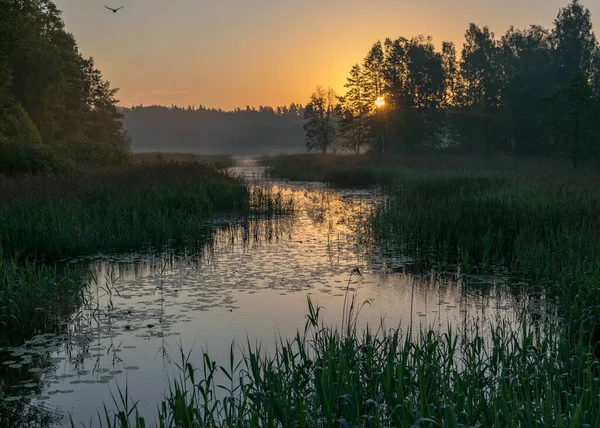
[
  {"x": 415, "y": 85},
  {"x": 450, "y": 70},
  {"x": 63, "y": 94},
  {"x": 528, "y": 69},
  {"x": 355, "y": 110},
  {"x": 573, "y": 107},
  {"x": 476, "y": 120},
  {"x": 374, "y": 70},
  {"x": 319, "y": 117},
  {"x": 573, "y": 111},
  {"x": 575, "y": 42}
]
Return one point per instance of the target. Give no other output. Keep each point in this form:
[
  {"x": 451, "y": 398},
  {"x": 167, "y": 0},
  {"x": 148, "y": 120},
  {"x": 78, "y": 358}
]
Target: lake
[{"x": 248, "y": 285}]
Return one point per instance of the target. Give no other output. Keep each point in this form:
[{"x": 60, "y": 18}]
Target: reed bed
[
  {"x": 365, "y": 170},
  {"x": 330, "y": 377},
  {"x": 217, "y": 161},
  {"x": 44, "y": 219},
  {"x": 49, "y": 218},
  {"x": 534, "y": 217},
  {"x": 35, "y": 299},
  {"x": 545, "y": 227}
]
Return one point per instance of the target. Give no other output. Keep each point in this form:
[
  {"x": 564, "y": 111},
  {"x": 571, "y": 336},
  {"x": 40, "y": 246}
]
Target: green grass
[
  {"x": 326, "y": 377},
  {"x": 218, "y": 161}
]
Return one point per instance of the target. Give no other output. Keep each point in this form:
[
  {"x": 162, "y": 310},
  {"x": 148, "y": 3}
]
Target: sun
[{"x": 380, "y": 102}]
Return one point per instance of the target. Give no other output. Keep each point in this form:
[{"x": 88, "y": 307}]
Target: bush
[{"x": 21, "y": 148}]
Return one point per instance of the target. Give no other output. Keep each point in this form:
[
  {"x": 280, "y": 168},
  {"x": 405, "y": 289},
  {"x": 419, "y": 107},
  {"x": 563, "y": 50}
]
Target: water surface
[{"x": 249, "y": 285}]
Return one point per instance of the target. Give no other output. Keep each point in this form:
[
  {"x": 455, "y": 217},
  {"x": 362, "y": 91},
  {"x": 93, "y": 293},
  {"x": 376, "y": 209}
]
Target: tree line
[
  {"x": 57, "y": 112},
  {"x": 214, "y": 131},
  {"x": 532, "y": 91}
]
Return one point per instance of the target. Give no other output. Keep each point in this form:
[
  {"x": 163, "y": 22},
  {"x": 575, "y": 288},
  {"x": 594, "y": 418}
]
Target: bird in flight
[{"x": 114, "y": 10}]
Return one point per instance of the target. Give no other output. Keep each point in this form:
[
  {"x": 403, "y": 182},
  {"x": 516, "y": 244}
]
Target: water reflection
[{"x": 248, "y": 283}]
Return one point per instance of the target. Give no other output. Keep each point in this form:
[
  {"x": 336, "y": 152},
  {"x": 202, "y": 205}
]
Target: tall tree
[
  {"x": 319, "y": 116},
  {"x": 450, "y": 70},
  {"x": 573, "y": 107},
  {"x": 476, "y": 120},
  {"x": 528, "y": 70},
  {"x": 374, "y": 69},
  {"x": 44, "y": 73},
  {"x": 356, "y": 107},
  {"x": 575, "y": 42},
  {"x": 573, "y": 111}
]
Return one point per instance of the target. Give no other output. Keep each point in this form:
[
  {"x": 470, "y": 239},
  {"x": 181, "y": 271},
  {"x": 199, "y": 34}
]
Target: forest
[
  {"x": 532, "y": 91},
  {"x": 214, "y": 131},
  {"x": 57, "y": 112}
]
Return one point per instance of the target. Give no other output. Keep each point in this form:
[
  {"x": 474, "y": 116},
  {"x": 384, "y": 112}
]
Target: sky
[{"x": 233, "y": 53}]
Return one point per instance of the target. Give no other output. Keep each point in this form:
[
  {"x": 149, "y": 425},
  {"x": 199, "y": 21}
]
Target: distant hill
[{"x": 210, "y": 131}]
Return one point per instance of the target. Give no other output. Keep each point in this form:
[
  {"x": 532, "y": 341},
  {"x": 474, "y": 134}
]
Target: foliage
[
  {"x": 63, "y": 94},
  {"x": 21, "y": 148},
  {"x": 572, "y": 113},
  {"x": 319, "y": 117},
  {"x": 355, "y": 110},
  {"x": 494, "y": 98}
]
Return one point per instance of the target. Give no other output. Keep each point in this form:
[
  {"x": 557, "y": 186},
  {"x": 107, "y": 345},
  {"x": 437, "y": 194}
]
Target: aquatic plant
[
  {"x": 35, "y": 299},
  {"x": 325, "y": 377},
  {"x": 217, "y": 161},
  {"x": 46, "y": 219},
  {"x": 534, "y": 218},
  {"x": 121, "y": 209}
]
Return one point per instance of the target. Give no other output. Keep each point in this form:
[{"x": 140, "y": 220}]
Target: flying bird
[{"x": 114, "y": 10}]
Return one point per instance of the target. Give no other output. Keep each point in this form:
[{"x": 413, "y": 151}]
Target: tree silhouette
[{"x": 319, "y": 116}]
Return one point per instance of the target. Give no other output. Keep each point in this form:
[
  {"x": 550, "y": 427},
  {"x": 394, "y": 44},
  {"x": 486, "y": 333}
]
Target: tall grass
[
  {"x": 325, "y": 377},
  {"x": 114, "y": 209},
  {"x": 218, "y": 161},
  {"x": 536, "y": 218},
  {"x": 47, "y": 218},
  {"x": 35, "y": 299},
  {"x": 545, "y": 227},
  {"x": 370, "y": 169}
]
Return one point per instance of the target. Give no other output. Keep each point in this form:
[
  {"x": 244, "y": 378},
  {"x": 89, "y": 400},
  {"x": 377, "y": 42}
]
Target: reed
[
  {"x": 49, "y": 218},
  {"x": 218, "y": 161},
  {"x": 44, "y": 219},
  {"x": 325, "y": 377}
]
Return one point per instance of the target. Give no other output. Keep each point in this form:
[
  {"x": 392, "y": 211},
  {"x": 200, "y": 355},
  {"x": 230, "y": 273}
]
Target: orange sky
[{"x": 230, "y": 53}]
